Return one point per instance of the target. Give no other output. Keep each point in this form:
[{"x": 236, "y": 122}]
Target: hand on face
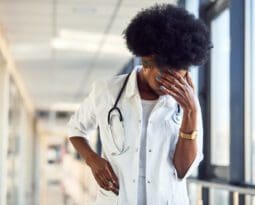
[{"x": 179, "y": 87}]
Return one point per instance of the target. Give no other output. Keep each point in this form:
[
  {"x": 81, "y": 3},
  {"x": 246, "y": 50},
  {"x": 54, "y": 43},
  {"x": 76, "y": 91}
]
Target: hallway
[{"x": 51, "y": 52}]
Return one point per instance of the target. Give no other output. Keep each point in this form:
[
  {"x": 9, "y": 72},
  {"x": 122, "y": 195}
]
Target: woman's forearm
[
  {"x": 83, "y": 148},
  {"x": 185, "y": 151},
  {"x": 100, "y": 167}
]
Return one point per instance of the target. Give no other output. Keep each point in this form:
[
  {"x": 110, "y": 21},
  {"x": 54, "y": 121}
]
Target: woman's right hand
[
  {"x": 104, "y": 174},
  {"x": 101, "y": 168}
]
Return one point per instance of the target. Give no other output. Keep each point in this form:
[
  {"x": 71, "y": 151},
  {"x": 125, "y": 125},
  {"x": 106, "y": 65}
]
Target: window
[
  {"x": 220, "y": 91},
  {"x": 219, "y": 197},
  {"x": 252, "y": 43},
  {"x": 218, "y": 17},
  {"x": 249, "y": 90}
]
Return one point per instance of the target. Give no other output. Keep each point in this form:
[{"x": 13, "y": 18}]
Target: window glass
[
  {"x": 220, "y": 91},
  {"x": 252, "y": 10},
  {"x": 249, "y": 92}
]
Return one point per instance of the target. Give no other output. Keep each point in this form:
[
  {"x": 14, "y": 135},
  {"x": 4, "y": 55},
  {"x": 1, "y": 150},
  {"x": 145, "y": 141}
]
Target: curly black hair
[{"x": 169, "y": 33}]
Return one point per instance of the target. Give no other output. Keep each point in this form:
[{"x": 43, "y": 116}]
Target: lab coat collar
[{"x": 132, "y": 89}]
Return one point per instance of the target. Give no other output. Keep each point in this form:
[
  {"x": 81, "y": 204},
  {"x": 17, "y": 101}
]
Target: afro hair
[{"x": 172, "y": 35}]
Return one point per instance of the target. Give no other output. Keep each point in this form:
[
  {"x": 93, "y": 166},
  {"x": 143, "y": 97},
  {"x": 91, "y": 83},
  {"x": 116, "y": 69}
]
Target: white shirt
[
  {"x": 147, "y": 106},
  {"x": 162, "y": 183}
]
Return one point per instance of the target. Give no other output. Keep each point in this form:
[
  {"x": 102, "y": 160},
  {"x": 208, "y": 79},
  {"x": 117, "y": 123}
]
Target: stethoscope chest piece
[
  {"x": 116, "y": 125},
  {"x": 117, "y": 132}
]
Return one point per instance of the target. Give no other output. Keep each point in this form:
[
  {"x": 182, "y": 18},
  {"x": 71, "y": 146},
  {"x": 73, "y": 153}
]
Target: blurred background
[{"x": 50, "y": 53}]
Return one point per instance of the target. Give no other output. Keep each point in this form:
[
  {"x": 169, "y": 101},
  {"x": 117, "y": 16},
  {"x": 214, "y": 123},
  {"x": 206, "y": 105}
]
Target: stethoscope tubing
[{"x": 175, "y": 117}]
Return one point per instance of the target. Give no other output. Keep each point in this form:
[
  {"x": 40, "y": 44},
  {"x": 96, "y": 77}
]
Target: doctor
[{"x": 150, "y": 120}]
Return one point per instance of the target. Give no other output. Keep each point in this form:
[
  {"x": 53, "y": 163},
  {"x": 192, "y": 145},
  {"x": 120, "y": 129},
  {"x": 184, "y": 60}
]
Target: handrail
[{"x": 241, "y": 189}]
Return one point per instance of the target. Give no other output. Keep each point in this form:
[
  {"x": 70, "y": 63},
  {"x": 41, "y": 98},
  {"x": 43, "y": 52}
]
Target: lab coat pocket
[
  {"x": 172, "y": 131},
  {"x": 105, "y": 197},
  {"x": 179, "y": 195},
  {"x": 178, "y": 199}
]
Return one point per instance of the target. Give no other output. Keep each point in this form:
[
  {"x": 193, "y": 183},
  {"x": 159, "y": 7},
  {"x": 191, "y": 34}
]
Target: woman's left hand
[{"x": 182, "y": 89}]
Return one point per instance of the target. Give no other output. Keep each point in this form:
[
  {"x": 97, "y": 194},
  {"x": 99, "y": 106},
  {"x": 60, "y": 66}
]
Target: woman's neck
[{"x": 145, "y": 91}]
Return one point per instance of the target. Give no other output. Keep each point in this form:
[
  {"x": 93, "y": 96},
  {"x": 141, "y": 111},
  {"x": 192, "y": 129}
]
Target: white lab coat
[{"x": 163, "y": 185}]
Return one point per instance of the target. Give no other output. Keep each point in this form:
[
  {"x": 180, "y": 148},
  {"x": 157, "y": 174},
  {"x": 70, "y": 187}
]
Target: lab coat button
[
  {"x": 148, "y": 181},
  {"x": 149, "y": 150},
  {"x": 133, "y": 180},
  {"x": 137, "y": 149}
]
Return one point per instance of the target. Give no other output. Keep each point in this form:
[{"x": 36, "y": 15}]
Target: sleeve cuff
[
  {"x": 194, "y": 164},
  {"x": 74, "y": 132}
]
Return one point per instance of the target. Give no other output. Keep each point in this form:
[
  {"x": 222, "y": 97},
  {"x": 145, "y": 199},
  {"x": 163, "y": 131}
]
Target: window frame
[
  {"x": 236, "y": 170},
  {"x": 208, "y": 12}
]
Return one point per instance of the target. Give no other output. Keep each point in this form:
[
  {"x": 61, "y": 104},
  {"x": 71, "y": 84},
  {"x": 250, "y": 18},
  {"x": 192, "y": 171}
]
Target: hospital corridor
[{"x": 51, "y": 54}]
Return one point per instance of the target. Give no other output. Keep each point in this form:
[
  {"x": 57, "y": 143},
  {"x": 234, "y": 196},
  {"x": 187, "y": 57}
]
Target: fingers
[
  {"x": 188, "y": 77},
  {"x": 110, "y": 179},
  {"x": 167, "y": 91},
  {"x": 101, "y": 181},
  {"x": 104, "y": 182},
  {"x": 114, "y": 178},
  {"x": 177, "y": 76},
  {"x": 176, "y": 86},
  {"x": 171, "y": 84},
  {"x": 181, "y": 88},
  {"x": 175, "y": 95},
  {"x": 177, "y": 89},
  {"x": 106, "y": 177},
  {"x": 188, "y": 82},
  {"x": 169, "y": 81},
  {"x": 176, "y": 79}
]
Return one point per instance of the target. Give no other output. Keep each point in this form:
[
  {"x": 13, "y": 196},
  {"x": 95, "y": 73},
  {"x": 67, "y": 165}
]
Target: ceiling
[{"x": 60, "y": 46}]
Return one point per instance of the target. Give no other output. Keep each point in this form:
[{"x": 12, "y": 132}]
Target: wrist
[
  {"x": 190, "y": 136},
  {"x": 189, "y": 112},
  {"x": 189, "y": 123},
  {"x": 90, "y": 158}
]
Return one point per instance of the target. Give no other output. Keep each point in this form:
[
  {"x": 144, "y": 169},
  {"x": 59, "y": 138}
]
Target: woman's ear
[
  {"x": 148, "y": 62},
  {"x": 145, "y": 69}
]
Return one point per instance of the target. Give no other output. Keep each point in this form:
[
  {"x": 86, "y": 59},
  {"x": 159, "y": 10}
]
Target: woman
[{"x": 150, "y": 120}]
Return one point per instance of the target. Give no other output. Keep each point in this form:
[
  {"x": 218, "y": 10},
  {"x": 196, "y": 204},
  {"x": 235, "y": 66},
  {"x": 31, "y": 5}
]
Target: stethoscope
[{"x": 176, "y": 117}]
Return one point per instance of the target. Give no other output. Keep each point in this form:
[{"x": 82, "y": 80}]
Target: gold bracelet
[{"x": 190, "y": 136}]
